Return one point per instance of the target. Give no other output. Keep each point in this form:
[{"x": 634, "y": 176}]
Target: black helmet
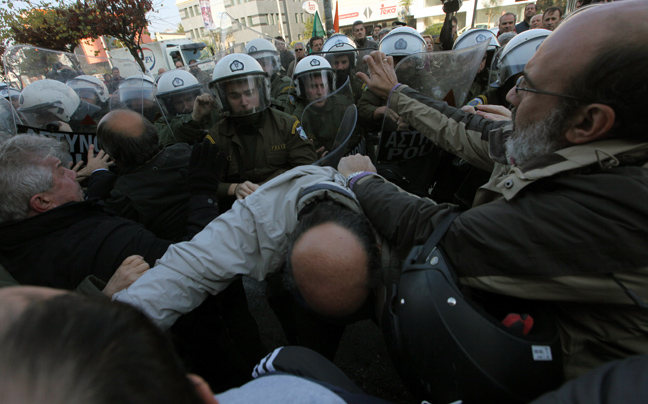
[{"x": 448, "y": 348}]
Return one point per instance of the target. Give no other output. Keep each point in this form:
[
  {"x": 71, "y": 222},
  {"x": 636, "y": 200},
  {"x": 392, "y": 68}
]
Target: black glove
[{"x": 205, "y": 167}]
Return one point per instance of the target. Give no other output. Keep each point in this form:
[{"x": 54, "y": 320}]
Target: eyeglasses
[
  {"x": 520, "y": 81},
  {"x": 299, "y": 50}
]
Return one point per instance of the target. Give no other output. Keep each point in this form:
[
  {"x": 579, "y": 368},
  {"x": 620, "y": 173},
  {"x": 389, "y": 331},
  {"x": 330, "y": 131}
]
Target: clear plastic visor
[
  {"x": 315, "y": 85},
  {"x": 179, "y": 102},
  {"x": 242, "y": 96},
  {"x": 515, "y": 61}
]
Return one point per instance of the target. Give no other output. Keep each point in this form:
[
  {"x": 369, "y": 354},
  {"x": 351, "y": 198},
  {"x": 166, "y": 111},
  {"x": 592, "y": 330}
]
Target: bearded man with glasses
[{"x": 563, "y": 220}]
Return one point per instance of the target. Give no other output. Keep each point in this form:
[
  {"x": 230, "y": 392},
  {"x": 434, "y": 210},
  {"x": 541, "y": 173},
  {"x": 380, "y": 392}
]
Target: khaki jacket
[
  {"x": 281, "y": 145},
  {"x": 561, "y": 229}
]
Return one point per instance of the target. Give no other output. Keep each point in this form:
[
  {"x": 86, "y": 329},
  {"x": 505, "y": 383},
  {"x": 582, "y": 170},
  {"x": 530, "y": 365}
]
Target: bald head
[
  {"x": 330, "y": 268},
  {"x": 333, "y": 258},
  {"x": 584, "y": 36},
  {"x": 124, "y": 122},
  {"x": 128, "y": 137}
]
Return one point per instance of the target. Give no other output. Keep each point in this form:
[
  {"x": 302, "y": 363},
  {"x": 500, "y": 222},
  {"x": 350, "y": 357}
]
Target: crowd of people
[{"x": 489, "y": 223}]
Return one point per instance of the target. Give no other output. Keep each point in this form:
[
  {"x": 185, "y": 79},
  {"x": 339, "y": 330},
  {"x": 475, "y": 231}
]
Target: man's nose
[{"x": 513, "y": 97}]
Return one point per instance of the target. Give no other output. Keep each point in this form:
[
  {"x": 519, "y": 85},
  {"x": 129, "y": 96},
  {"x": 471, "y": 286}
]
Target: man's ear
[
  {"x": 593, "y": 122},
  {"x": 202, "y": 389},
  {"x": 41, "y": 202}
]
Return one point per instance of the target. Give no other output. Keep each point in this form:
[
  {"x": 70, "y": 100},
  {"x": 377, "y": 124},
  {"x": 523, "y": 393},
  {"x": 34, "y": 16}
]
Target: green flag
[{"x": 318, "y": 29}]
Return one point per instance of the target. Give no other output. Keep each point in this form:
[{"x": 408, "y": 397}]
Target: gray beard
[{"x": 537, "y": 139}]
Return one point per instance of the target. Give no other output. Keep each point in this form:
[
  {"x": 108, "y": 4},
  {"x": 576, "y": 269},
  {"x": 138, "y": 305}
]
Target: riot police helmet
[
  {"x": 402, "y": 41},
  {"x": 90, "y": 89},
  {"x": 311, "y": 71},
  {"x": 340, "y": 45},
  {"x": 266, "y": 54},
  {"x": 240, "y": 85},
  {"x": 47, "y": 100},
  {"x": 517, "y": 53},
  {"x": 177, "y": 91}
]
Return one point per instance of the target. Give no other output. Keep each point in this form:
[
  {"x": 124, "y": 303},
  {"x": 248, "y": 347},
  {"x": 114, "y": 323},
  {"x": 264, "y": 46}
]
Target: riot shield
[
  {"x": 9, "y": 119},
  {"x": 322, "y": 118},
  {"x": 443, "y": 76},
  {"x": 201, "y": 69},
  {"x": 409, "y": 159},
  {"x": 138, "y": 93},
  {"x": 344, "y": 134},
  {"x": 63, "y": 95}
]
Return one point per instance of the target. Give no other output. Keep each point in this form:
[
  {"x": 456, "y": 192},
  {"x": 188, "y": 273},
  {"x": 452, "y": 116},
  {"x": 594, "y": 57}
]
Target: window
[
  {"x": 261, "y": 19},
  {"x": 302, "y": 17},
  {"x": 202, "y": 32},
  {"x": 296, "y": 17},
  {"x": 186, "y": 13},
  {"x": 196, "y": 9}
]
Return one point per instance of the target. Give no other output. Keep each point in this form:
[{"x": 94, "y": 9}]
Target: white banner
[
  {"x": 205, "y": 10},
  {"x": 351, "y": 11}
]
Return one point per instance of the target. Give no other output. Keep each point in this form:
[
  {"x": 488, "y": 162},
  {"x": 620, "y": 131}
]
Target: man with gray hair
[
  {"x": 300, "y": 53},
  {"x": 42, "y": 208}
]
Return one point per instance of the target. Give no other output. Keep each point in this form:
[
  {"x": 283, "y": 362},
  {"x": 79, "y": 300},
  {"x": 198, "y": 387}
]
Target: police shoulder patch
[
  {"x": 301, "y": 132},
  {"x": 287, "y": 89},
  {"x": 297, "y": 129}
]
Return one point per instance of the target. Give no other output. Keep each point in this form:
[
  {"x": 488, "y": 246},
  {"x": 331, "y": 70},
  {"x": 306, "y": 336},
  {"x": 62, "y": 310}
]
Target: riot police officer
[
  {"x": 398, "y": 43},
  {"x": 52, "y": 105},
  {"x": 319, "y": 109},
  {"x": 262, "y": 142},
  {"x": 487, "y": 70},
  {"x": 137, "y": 93},
  {"x": 91, "y": 90},
  {"x": 267, "y": 56},
  {"x": 341, "y": 53},
  {"x": 189, "y": 113}
]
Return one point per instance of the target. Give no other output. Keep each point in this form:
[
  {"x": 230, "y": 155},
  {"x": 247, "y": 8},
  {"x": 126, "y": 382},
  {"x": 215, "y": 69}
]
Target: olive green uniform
[
  {"x": 367, "y": 105},
  {"x": 280, "y": 89},
  {"x": 259, "y": 150},
  {"x": 321, "y": 124}
]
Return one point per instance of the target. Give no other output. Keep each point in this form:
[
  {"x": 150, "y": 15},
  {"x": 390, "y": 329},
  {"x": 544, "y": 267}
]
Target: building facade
[
  {"x": 424, "y": 13},
  {"x": 269, "y": 17}
]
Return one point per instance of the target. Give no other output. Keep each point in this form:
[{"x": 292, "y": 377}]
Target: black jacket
[
  {"x": 156, "y": 194},
  {"x": 62, "y": 246}
]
